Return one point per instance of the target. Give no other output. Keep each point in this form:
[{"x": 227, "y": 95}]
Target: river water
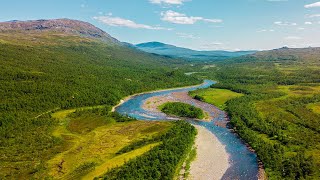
[{"x": 243, "y": 163}]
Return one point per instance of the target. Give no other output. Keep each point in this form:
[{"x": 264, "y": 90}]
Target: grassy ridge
[{"x": 48, "y": 71}]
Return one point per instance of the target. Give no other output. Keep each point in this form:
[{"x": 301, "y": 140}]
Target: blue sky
[{"x": 196, "y": 24}]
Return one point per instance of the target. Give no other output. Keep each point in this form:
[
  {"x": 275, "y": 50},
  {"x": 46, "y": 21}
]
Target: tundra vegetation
[
  {"x": 57, "y": 90},
  {"x": 278, "y": 113},
  {"x": 44, "y": 72}
]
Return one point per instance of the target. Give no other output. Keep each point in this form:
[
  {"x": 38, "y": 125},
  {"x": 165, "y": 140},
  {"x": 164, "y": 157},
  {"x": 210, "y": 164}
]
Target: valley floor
[
  {"x": 212, "y": 159},
  {"x": 153, "y": 103}
]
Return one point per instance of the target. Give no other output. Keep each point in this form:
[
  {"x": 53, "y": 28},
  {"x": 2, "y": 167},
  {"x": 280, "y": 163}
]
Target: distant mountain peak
[
  {"x": 57, "y": 25},
  {"x": 188, "y": 54},
  {"x": 152, "y": 44}
]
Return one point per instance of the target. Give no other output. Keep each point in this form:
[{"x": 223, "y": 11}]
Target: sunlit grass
[
  {"x": 314, "y": 107},
  {"x": 93, "y": 141},
  {"x": 270, "y": 107},
  {"x": 295, "y": 90},
  {"x": 64, "y": 113},
  {"x": 217, "y": 97}
]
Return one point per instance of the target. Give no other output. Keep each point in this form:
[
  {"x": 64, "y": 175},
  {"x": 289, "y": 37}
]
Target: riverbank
[
  {"x": 212, "y": 160},
  {"x": 242, "y": 161},
  {"x": 152, "y": 104},
  {"x": 131, "y": 96}
]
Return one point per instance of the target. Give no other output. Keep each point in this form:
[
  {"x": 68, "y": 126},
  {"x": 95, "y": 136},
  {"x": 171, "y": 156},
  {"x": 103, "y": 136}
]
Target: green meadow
[
  {"x": 315, "y": 107},
  {"x": 92, "y": 141},
  {"x": 217, "y": 97}
]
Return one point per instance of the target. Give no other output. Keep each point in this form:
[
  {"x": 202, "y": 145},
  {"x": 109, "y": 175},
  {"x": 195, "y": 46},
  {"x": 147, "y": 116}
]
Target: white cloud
[
  {"x": 187, "y": 36},
  {"x": 307, "y": 23},
  {"x": 173, "y": 2},
  {"x": 313, "y": 5},
  {"x": 301, "y": 28},
  {"x": 293, "y": 38},
  {"x": 314, "y": 15},
  {"x": 280, "y": 23},
  {"x": 216, "y": 46},
  {"x": 179, "y": 18},
  {"x": 117, "y": 21},
  {"x": 266, "y": 30}
]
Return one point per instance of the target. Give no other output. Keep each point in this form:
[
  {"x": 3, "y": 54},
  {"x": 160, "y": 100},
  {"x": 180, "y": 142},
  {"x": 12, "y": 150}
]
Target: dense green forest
[
  {"x": 44, "y": 71},
  {"x": 47, "y": 77},
  {"x": 182, "y": 110},
  {"x": 273, "y": 115},
  {"x": 163, "y": 161}
]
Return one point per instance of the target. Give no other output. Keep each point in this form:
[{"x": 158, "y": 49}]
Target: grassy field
[
  {"x": 291, "y": 93},
  {"x": 315, "y": 107},
  {"x": 92, "y": 141},
  {"x": 266, "y": 107},
  {"x": 217, "y": 97}
]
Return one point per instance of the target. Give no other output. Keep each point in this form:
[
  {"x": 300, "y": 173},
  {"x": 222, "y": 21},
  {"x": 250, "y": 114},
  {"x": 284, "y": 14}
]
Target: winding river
[{"x": 243, "y": 163}]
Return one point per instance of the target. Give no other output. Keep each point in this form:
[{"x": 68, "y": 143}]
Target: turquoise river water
[{"x": 243, "y": 163}]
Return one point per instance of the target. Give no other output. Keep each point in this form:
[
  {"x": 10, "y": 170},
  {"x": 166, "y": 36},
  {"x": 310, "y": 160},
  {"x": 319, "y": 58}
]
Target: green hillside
[
  {"x": 45, "y": 71},
  {"x": 277, "y": 114}
]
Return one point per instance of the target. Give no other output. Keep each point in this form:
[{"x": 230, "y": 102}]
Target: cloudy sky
[{"x": 196, "y": 24}]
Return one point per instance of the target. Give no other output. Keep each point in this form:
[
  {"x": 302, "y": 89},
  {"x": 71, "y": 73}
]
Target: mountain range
[
  {"x": 189, "y": 54},
  {"x": 84, "y": 29}
]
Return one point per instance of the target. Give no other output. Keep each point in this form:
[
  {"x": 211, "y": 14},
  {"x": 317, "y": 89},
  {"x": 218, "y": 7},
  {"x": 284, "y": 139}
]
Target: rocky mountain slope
[{"x": 66, "y": 26}]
